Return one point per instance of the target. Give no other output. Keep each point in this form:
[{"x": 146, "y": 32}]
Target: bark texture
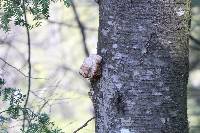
[{"x": 143, "y": 87}]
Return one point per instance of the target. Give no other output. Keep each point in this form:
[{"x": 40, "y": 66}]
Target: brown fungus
[{"x": 91, "y": 67}]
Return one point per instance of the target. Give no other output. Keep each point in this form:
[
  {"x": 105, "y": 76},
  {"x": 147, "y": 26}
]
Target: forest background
[{"x": 59, "y": 46}]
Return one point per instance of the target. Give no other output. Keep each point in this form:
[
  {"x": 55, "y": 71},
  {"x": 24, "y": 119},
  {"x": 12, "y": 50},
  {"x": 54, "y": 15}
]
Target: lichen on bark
[{"x": 144, "y": 45}]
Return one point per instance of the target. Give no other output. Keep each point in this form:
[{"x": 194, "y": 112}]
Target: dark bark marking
[
  {"x": 119, "y": 103},
  {"x": 151, "y": 45}
]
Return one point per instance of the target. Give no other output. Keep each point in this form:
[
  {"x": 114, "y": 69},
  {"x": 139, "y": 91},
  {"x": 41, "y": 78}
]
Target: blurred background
[{"x": 59, "y": 47}]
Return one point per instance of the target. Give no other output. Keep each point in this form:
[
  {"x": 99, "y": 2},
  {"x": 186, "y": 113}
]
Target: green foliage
[
  {"x": 42, "y": 124},
  {"x": 14, "y": 99},
  {"x": 15, "y": 10}
]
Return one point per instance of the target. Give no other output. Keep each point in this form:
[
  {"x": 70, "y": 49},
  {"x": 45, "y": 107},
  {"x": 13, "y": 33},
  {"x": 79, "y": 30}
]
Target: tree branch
[
  {"x": 29, "y": 62},
  {"x": 84, "y": 125},
  {"x": 82, "y": 29},
  {"x": 3, "y": 111},
  {"x": 71, "y": 25},
  {"x": 18, "y": 70}
]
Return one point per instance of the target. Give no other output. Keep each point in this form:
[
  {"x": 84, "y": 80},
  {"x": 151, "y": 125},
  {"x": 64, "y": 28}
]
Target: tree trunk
[{"x": 143, "y": 87}]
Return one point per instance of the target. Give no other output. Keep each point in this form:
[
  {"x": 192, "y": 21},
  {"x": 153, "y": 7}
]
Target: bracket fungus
[{"x": 91, "y": 67}]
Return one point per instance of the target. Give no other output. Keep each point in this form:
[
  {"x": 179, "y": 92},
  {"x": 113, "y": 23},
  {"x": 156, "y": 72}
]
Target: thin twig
[
  {"x": 17, "y": 69},
  {"x": 82, "y": 28},
  {"x": 84, "y": 125},
  {"x": 71, "y": 25},
  {"x": 29, "y": 62},
  {"x": 3, "y": 111},
  {"x": 43, "y": 105}
]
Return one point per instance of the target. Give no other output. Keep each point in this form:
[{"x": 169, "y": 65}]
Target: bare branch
[
  {"x": 84, "y": 125},
  {"x": 17, "y": 69},
  {"x": 82, "y": 29},
  {"x": 71, "y": 25},
  {"x": 43, "y": 105},
  {"x": 3, "y": 111},
  {"x": 29, "y": 63}
]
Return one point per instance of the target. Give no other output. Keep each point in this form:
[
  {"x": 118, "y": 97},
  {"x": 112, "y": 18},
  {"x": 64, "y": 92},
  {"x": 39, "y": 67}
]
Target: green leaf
[{"x": 14, "y": 10}]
